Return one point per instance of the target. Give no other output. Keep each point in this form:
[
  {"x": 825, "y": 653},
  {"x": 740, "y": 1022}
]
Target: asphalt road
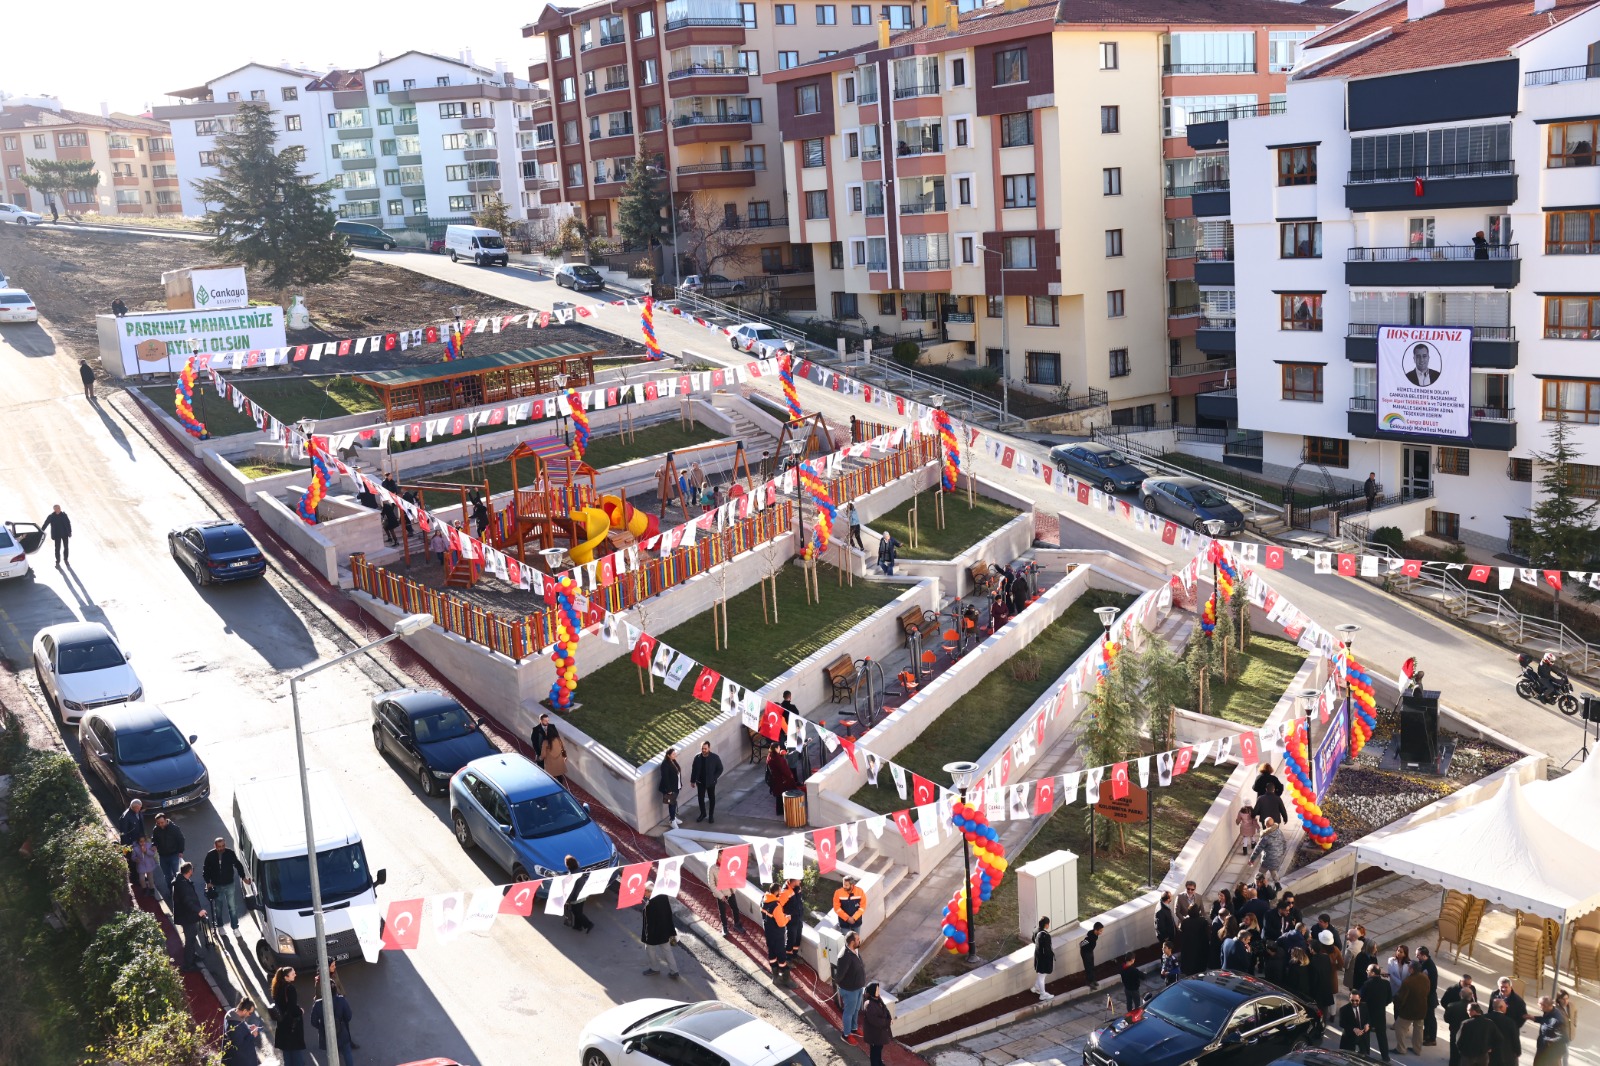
[{"x": 217, "y": 660}]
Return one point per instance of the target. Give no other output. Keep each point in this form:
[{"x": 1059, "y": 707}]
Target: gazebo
[{"x": 412, "y": 392}]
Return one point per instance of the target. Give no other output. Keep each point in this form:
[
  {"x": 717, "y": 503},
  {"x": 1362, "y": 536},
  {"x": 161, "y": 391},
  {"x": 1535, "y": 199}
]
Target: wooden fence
[{"x": 854, "y": 484}]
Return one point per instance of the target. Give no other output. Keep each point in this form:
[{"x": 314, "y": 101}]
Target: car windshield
[
  {"x": 99, "y": 654},
  {"x": 548, "y": 815},
  {"x": 491, "y": 242},
  {"x": 586, "y": 272},
  {"x": 228, "y": 540},
  {"x": 765, "y": 333},
  {"x": 1112, "y": 457},
  {"x": 443, "y": 724},
  {"x": 1206, "y": 496},
  {"x": 148, "y": 745},
  {"x": 286, "y": 883},
  {"x": 660, "y": 1017},
  {"x": 1191, "y": 1005}
]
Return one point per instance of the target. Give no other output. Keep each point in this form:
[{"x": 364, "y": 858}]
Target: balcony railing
[
  {"x": 1183, "y": 310},
  {"x": 921, "y": 88},
  {"x": 1218, "y": 321},
  {"x": 691, "y": 23},
  {"x": 1210, "y": 185},
  {"x": 613, "y": 86},
  {"x": 711, "y": 120},
  {"x": 922, "y": 207},
  {"x": 1480, "y": 412},
  {"x": 877, "y": 264},
  {"x": 1474, "y": 169},
  {"x": 620, "y": 131},
  {"x": 1479, "y": 333},
  {"x": 1226, "y": 114},
  {"x": 695, "y": 70},
  {"x": 1205, "y": 366},
  {"x": 1407, "y": 253},
  {"x": 871, "y": 155},
  {"x": 867, "y": 97},
  {"x": 1557, "y": 75},
  {"x": 1185, "y": 251},
  {"x": 758, "y": 222},
  {"x": 875, "y": 210},
  {"x": 959, "y": 318},
  {"x": 920, "y": 147},
  {"x": 723, "y": 168},
  {"x": 1209, "y": 68},
  {"x": 612, "y": 38},
  {"x": 1214, "y": 255},
  {"x": 925, "y": 264}
]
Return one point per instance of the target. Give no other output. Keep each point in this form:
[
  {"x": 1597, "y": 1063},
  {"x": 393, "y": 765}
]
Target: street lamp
[
  {"x": 961, "y": 775},
  {"x": 561, "y": 391},
  {"x": 1108, "y": 615},
  {"x": 1005, "y": 344},
  {"x": 405, "y": 627},
  {"x": 1347, "y": 636}
]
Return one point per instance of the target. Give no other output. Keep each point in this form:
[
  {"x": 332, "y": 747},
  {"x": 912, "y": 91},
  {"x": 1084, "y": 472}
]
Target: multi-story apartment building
[
  {"x": 1417, "y": 258},
  {"x": 411, "y": 139},
  {"x": 133, "y": 156},
  {"x": 1014, "y": 178},
  {"x": 682, "y": 78}
]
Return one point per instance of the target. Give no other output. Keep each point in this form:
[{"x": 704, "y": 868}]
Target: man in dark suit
[
  {"x": 1356, "y": 1027},
  {"x": 1516, "y": 1007},
  {"x": 1478, "y": 1038},
  {"x": 1421, "y": 374},
  {"x": 1375, "y": 993},
  {"x": 1456, "y": 1000}
]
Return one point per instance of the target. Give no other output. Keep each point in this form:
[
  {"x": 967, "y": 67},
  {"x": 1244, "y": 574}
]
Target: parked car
[
  {"x": 479, "y": 244},
  {"x": 17, "y": 306},
  {"x": 1192, "y": 502},
  {"x": 755, "y": 338},
  {"x": 364, "y": 234},
  {"x": 14, "y": 214},
  {"x": 18, "y": 540},
  {"x": 1098, "y": 464},
  {"x": 81, "y": 668},
  {"x": 712, "y": 284},
  {"x": 216, "y": 551},
  {"x": 1210, "y": 1019},
  {"x": 428, "y": 733},
  {"x": 579, "y": 277},
  {"x": 137, "y": 751},
  {"x": 649, "y": 1031},
  {"x": 524, "y": 819}
]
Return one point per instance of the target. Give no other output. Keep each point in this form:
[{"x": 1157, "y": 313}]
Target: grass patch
[
  {"x": 1117, "y": 877},
  {"x": 259, "y": 468},
  {"x": 985, "y": 713},
  {"x": 639, "y": 727},
  {"x": 603, "y": 452},
  {"x": 1270, "y": 664},
  {"x": 963, "y": 526},
  {"x": 288, "y": 399}
]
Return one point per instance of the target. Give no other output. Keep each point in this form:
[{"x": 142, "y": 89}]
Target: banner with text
[
  {"x": 1424, "y": 380},
  {"x": 163, "y": 341}
]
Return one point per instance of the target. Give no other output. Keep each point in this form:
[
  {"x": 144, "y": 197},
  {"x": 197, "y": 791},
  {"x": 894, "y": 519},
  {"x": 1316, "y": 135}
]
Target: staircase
[{"x": 459, "y": 573}]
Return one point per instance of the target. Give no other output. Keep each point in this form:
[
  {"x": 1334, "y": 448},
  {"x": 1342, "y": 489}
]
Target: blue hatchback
[
  {"x": 523, "y": 819},
  {"x": 216, "y": 551}
]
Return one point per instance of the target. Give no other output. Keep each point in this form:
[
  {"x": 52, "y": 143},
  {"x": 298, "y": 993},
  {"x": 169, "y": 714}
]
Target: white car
[
  {"x": 80, "y": 666},
  {"x": 17, "y": 306},
  {"x": 13, "y": 213},
  {"x": 18, "y": 540},
  {"x": 666, "y": 1032},
  {"x": 755, "y": 337}
]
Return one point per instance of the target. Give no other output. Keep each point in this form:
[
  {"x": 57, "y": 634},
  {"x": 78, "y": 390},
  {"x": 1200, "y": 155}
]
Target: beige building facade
[{"x": 133, "y": 156}]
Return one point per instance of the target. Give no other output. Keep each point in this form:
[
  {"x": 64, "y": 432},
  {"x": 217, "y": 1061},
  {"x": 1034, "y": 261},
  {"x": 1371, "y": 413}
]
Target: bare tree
[{"x": 708, "y": 237}]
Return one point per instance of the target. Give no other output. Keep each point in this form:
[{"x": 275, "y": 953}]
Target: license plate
[
  {"x": 341, "y": 957},
  {"x": 242, "y": 562}
]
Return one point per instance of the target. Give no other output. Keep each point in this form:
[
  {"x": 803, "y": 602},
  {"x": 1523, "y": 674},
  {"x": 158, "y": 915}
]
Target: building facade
[
  {"x": 1014, "y": 181},
  {"x": 409, "y": 141},
  {"x": 1429, "y": 185},
  {"x": 134, "y": 157}
]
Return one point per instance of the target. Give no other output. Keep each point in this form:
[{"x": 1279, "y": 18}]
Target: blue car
[
  {"x": 524, "y": 820},
  {"x": 216, "y": 551},
  {"x": 428, "y": 733}
]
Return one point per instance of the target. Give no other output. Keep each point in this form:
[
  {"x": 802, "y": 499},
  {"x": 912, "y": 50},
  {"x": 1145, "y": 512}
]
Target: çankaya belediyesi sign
[{"x": 164, "y": 341}]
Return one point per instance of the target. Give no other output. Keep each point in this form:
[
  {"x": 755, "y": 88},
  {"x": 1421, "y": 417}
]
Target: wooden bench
[
  {"x": 843, "y": 679},
  {"x": 979, "y": 573},
  {"x": 917, "y": 621}
]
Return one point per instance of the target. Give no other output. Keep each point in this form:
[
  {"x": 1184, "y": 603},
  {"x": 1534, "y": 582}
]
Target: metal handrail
[
  {"x": 906, "y": 148},
  {"x": 925, "y": 88},
  {"x": 867, "y": 98},
  {"x": 681, "y": 23},
  {"x": 1214, "y": 255},
  {"x": 1185, "y": 252},
  {"x": 1205, "y": 366},
  {"x": 1224, "y": 114},
  {"x": 1431, "y": 253},
  {"x": 1557, "y": 75},
  {"x": 711, "y": 120},
  {"x": 1434, "y": 170},
  {"x": 1212, "y": 185},
  {"x": 696, "y": 69},
  {"x": 723, "y": 168},
  {"x": 925, "y": 264},
  {"x": 1216, "y": 322},
  {"x": 922, "y": 207}
]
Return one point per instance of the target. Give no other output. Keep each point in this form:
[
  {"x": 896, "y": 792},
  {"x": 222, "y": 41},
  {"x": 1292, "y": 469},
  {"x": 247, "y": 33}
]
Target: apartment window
[
  {"x": 1455, "y": 461},
  {"x": 964, "y": 192},
  {"x": 1111, "y": 119},
  {"x": 1297, "y": 166},
  {"x": 1010, "y": 66},
  {"x": 408, "y": 84},
  {"x": 1043, "y": 311},
  {"x": 406, "y": 115},
  {"x": 969, "y": 248},
  {"x": 644, "y": 24},
  {"x": 1116, "y": 303},
  {"x": 807, "y": 100},
  {"x": 391, "y": 177},
  {"x": 1018, "y": 253},
  {"x": 1572, "y": 232},
  {"x": 290, "y": 92},
  {"x": 1572, "y": 318},
  {"x": 1044, "y": 368},
  {"x": 750, "y": 61},
  {"x": 1519, "y": 470},
  {"x": 208, "y": 159},
  {"x": 72, "y": 140},
  {"x": 1329, "y": 451},
  {"x": 958, "y": 71},
  {"x": 748, "y": 13},
  {"x": 1571, "y": 401},
  {"x": 783, "y": 14},
  {"x": 1018, "y": 189},
  {"x": 1119, "y": 362},
  {"x": 569, "y": 131},
  {"x": 203, "y": 129},
  {"x": 817, "y": 204},
  {"x": 649, "y": 74},
  {"x": 381, "y": 86},
  {"x": 899, "y": 16},
  {"x": 845, "y": 305},
  {"x": 1113, "y": 243},
  {"x": 291, "y": 123},
  {"x": 786, "y": 60},
  {"x": 652, "y": 118},
  {"x": 1016, "y": 129},
  {"x": 960, "y": 127},
  {"x": 387, "y": 147},
  {"x": 994, "y": 307},
  {"x": 827, "y": 15},
  {"x": 861, "y": 14},
  {"x": 852, "y": 144},
  {"x": 359, "y": 209},
  {"x": 569, "y": 90},
  {"x": 886, "y": 303},
  {"x": 10, "y": 144},
  {"x": 1572, "y": 144},
  {"x": 1300, "y": 311},
  {"x": 1108, "y": 55},
  {"x": 441, "y": 81},
  {"x": 14, "y": 171},
  {"x": 853, "y": 198},
  {"x": 1111, "y": 181},
  {"x": 574, "y": 174},
  {"x": 233, "y": 98},
  {"x": 1302, "y": 382},
  {"x": 1300, "y": 240},
  {"x": 1283, "y": 49},
  {"x": 460, "y": 203},
  {"x": 811, "y": 153}
]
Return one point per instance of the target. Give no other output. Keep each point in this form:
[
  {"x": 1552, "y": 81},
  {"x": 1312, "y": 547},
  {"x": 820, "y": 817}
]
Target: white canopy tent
[{"x": 1571, "y": 802}]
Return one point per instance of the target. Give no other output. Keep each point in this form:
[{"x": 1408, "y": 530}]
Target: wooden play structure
[
  {"x": 417, "y": 391},
  {"x": 459, "y": 572},
  {"x": 676, "y": 484}
]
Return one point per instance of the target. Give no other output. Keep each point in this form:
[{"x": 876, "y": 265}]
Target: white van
[
  {"x": 270, "y": 836},
  {"x": 481, "y": 245}
]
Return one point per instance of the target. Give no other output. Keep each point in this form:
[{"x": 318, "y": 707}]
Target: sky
[{"x": 144, "y": 59}]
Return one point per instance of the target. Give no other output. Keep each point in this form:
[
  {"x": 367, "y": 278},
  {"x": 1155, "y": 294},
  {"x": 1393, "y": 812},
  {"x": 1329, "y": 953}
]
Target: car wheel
[
  {"x": 44, "y": 690},
  {"x": 463, "y": 834},
  {"x": 1150, "y": 504},
  {"x": 377, "y": 738},
  {"x": 201, "y": 578},
  {"x": 453, "y": 255},
  {"x": 265, "y": 958},
  {"x": 388, "y": 246},
  {"x": 1199, "y": 525},
  {"x": 595, "y": 1057},
  {"x": 735, "y": 343},
  {"x": 1108, "y": 487},
  {"x": 519, "y": 872},
  {"x": 425, "y": 779}
]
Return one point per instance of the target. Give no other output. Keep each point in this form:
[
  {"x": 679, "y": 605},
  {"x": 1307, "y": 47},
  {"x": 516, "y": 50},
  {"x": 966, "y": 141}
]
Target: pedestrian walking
[
  {"x": 1355, "y": 1026},
  {"x": 1369, "y": 489},
  {"x": 1249, "y": 828},
  {"x": 480, "y": 515},
  {"x": 168, "y": 839},
  {"x": 223, "y": 874},
  {"x": 130, "y": 827},
  {"x": 849, "y": 906},
  {"x": 1270, "y": 851},
  {"x": 669, "y": 784},
  {"x": 1410, "y": 1006},
  {"x": 189, "y": 914},
  {"x": 774, "y": 920},
  {"x": 1551, "y": 1042},
  {"x": 60, "y": 529},
  {"x": 1132, "y": 977},
  {"x": 581, "y": 922},
  {"x": 119, "y": 308},
  {"x": 725, "y": 898},
  {"x": 704, "y": 773},
  {"x": 794, "y": 904},
  {"x": 436, "y": 543},
  {"x": 86, "y": 374},
  {"x": 341, "y": 1022},
  {"x": 1564, "y": 1005},
  {"x": 1430, "y": 1021},
  {"x": 241, "y": 1034},
  {"x": 1170, "y": 970},
  {"x": 55, "y": 216},
  {"x": 1086, "y": 953},
  {"x": 877, "y": 1024},
  {"x": 289, "y": 1033},
  {"x": 659, "y": 934},
  {"x": 391, "y": 522},
  {"x": 146, "y": 866},
  {"x": 886, "y": 553},
  {"x": 850, "y": 978},
  {"x": 780, "y": 778},
  {"x": 853, "y": 518},
  {"x": 1375, "y": 994},
  {"x": 1044, "y": 958}
]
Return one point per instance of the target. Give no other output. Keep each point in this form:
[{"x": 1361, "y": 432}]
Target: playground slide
[
  {"x": 633, "y": 520},
  {"x": 596, "y": 526}
]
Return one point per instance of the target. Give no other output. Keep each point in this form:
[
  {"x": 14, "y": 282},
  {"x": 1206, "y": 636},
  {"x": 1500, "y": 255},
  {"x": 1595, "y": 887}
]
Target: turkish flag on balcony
[{"x": 1416, "y": 185}]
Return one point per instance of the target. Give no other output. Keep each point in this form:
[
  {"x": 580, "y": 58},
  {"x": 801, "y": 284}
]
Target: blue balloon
[
  {"x": 985, "y": 895},
  {"x": 950, "y": 931}
]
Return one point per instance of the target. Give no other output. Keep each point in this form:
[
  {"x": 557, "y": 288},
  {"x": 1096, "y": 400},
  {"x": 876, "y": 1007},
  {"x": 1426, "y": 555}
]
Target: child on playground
[{"x": 1249, "y": 828}]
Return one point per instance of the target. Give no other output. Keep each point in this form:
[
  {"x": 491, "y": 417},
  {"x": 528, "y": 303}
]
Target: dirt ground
[{"x": 74, "y": 275}]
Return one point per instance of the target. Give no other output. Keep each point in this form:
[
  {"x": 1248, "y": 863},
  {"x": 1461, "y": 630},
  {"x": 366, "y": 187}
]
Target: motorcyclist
[{"x": 1550, "y": 676}]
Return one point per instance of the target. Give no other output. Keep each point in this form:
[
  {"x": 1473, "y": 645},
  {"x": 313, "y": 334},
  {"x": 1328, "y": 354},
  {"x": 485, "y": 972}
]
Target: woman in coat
[
  {"x": 341, "y": 1023},
  {"x": 290, "y": 1036},
  {"x": 671, "y": 782},
  {"x": 780, "y": 778},
  {"x": 1297, "y": 975},
  {"x": 877, "y": 1024},
  {"x": 1324, "y": 974},
  {"x": 575, "y": 915},
  {"x": 1271, "y": 848},
  {"x": 1194, "y": 943},
  {"x": 1044, "y": 958},
  {"x": 1166, "y": 924}
]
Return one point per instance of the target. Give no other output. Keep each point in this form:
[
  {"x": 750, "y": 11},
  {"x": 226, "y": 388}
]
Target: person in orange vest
[
  {"x": 794, "y": 905},
  {"x": 849, "y": 906},
  {"x": 774, "y": 923}
]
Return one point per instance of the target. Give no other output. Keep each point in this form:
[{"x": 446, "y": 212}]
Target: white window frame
[
  {"x": 972, "y": 182},
  {"x": 852, "y": 192},
  {"x": 960, "y": 239},
  {"x": 953, "y": 120}
]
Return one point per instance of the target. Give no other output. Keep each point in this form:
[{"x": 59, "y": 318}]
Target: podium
[{"x": 1416, "y": 745}]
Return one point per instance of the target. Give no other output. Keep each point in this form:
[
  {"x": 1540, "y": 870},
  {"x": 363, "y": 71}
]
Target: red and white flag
[{"x": 402, "y": 927}]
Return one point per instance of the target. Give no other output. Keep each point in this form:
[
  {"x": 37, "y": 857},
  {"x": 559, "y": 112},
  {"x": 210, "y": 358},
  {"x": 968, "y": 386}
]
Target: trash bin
[{"x": 794, "y": 808}]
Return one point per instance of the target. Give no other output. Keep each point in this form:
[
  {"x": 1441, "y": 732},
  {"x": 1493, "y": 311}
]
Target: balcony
[
  {"x": 1413, "y": 268},
  {"x": 1493, "y": 347},
  {"x": 697, "y": 79},
  {"x": 1182, "y": 252},
  {"x": 1493, "y": 428},
  {"x": 923, "y": 207},
  {"x": 367, "y": 163},
  {"x": 355, "y": 133},
  {"x": 1210, "y": 199},
  {"x": 361, "y": 194},
  {"x": 169, "y": 209},
  {"x": 705, "y": 129},
  {"x": 1489, "y": 183},
  {"x": 924, "y": 265},
  {"x": 731, "y": 175},
  {"x": 414, "y": 191},
  {"x": 123, "y": 152},
  {"x": 1561, "y": 75},
  {"x": 683, "y": 32},
  {"x": 124, "y": 179},
  {"x": 1188, "y": 379},
  {"x": 755, "y": 222},
  {"x": 688, "y": 23},
  {"x": 539, "y": 184},
  {"x": 481, "y": 122},
  {"x": 473, "y": 155},
  {"x": 159, "y": 155},
  {"x": 865, "y": 98},
  {"x": 405, "y": 129},
  {"x": 408, "y": 160},
  {"x": 1216, "y": 334},
  {"x": 482, "y": 184},
  {"x": 925, "y": 88},
  {"x": 164, "y": 183},
  {"x": 930, "y": 146},
  {"x": 1213, "y": 266},
  {"x": 1209, "y": 129},
  {"x": 1209, "y": 68},
  {"x": 1221, "y": 405}
]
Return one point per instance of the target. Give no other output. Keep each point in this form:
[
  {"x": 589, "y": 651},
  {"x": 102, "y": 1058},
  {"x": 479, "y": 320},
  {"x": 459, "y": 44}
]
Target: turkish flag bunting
[
  {"x": 772, "y": 722},
  {"x": 733, "y": 868},
  {"x": 644, "y": 652},
  {"x": 431, "y": 334},
  {"x": 1083, "y": 492},
  {"x": 1347, "y": 565},
  {"x": 606, "y": 572},
  {"x": 1553, "y": 579},
  {"x": 705, "y": 686},
  {"x": 519, "y": 898},
  {"x": 1180, "y": 764},
  {"x": 1169, "y": 533},
  {"x": 849, "y": 745},
  {"x": 1044, "y": 797},
  {"x": 630, "y": 884},
  {"x": 1411, "y": 568},
  {"x": 1005, "y": 766},
  {"x": 1119, "y": 781},
  {"x": 403, "y": 926},
  {"x": 1008, "y": 457},
  {"x": 1479, "y": 573},
  {"x": 907, "y": 827},
  {"x": 827, "y": 847},
  {"x": 923, "y": 791},
  {"x": 1249, "y": 748},
  {"x": 1273, "y": 558}
]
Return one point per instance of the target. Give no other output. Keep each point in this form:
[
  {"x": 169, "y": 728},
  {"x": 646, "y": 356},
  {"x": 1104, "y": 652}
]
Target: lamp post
[
  {"x": 561, "y": 391},
  {"x": 1005, "y": 344},
  {"x": 961, "y": 775},
  {"x": 1108, "y": 615},
  {"x": 411, "y": 623},
  {"x": 1347, "y": 636}
]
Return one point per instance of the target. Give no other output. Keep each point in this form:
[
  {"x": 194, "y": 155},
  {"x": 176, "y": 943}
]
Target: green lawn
[
  {"x": 963, "y": 526},
  {"x": 638, "y": 727},
  {"x": 1270, "y": 664},
  {"x": 259, "y": 468},
  {"x": 966, "y": 730},
  {"x": 607, "y": 451},
  {"x": 287, "y": 399}
]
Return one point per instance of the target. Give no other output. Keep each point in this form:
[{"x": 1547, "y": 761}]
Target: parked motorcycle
[{"x": 1530, "y": 688}]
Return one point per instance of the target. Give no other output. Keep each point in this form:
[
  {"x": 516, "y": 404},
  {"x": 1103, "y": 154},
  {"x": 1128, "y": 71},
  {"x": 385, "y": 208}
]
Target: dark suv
[{"x": 363, "y": 235}]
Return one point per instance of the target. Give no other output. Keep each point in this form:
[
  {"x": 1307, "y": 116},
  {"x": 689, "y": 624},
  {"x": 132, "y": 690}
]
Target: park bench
[
  {"x": 979, "y": 572},
  {"x": 916, "y": 621},
  {"x": 843, "y": 679}
]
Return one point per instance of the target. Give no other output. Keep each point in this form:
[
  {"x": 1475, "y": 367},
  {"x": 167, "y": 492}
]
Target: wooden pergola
[{"x": 414, "y": 392}]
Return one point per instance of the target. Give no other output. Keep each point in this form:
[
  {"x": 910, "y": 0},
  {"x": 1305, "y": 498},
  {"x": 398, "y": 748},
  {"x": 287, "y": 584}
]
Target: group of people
[
  {"x": 241, "y": 1026},
  {"x": 704, "y": 773}
]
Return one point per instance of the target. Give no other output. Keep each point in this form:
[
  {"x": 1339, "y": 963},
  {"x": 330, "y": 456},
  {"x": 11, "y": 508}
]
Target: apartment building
[
  {"x": 409, "y": 141},
  {"x": 1013, "y": 179},
  {"x": 133, "y": 156},
  {"x": 1417, "y": 258},
  {"x": 684, "y": 79}
]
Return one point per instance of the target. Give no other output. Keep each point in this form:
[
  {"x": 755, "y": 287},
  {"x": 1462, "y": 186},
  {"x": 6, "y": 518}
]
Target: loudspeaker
[
  {"x": 1419, "y": 728},
  {"x": 1591, "y": 707}
]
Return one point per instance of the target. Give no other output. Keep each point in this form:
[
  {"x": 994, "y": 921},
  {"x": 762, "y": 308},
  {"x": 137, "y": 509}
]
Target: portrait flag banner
[
  {"x": 402, "y": 927},
  {"x": 733, "y": 867},
  {"x": 849, "y": 839},
  {"x": 555, "y": 900},
  {"x": 669, "y": 876},
  {"x": 1424, "y": 381},
  {"x": 482, "y": 909},
  {"x": 630, "y": 884},
  {"x": 595, "y": 883},
  {"x": 794, "y": 856},
  {"x": 766, "y": 848},
  {"x": 518, "y": 899}
]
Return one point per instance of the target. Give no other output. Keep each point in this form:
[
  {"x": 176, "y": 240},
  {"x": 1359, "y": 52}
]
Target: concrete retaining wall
[{"x": 1076, "y": 533}]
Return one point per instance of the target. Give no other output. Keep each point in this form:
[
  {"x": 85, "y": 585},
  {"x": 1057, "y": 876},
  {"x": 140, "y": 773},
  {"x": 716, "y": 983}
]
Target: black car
[
  {"x": 579, "y": 277},
  {"x": 429, "y": 733},
  {"x": 364, "y": 234},
  {"x": 140, "y": 755},
  {"x": 1192, "y": 502},
  {"x": 216, "y": 551},
  {"x": 1212, "y": 1019},
  {"x": 1100, "y": 465}
]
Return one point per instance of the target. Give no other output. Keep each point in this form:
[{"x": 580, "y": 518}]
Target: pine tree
[
  {"x": 1200, "y": 664},
  {"x": 643, "y": 200},
  {"x": 54, "y": 178},
  {"x": 1166, "y": 684},
  {"x": 1561, "y": 533},
  {"x": 494, "y": 215},
  {"x": 269, "y": 215},
  {"x": 1111, "y": 733}
]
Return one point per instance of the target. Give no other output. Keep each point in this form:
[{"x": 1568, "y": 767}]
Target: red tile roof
[
  {"x": 338, "y": 80},
  {"x": 17, "y": 116},
  {"x": 1463, "y": 31}
]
